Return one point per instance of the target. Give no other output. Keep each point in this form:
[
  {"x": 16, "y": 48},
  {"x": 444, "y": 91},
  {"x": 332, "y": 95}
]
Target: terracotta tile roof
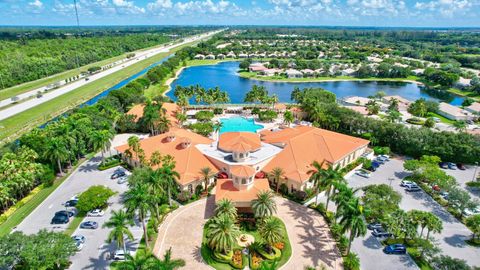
[
  {"x": 171, "y": 111},
  {"x": 302, "y": 145},
  {"x": 280, "y": 106},
  {"x": 226, "y": 190},
  {"x": 231, "y": 141},
  {"x": 242, "y": 171},
  {"x": 189, "y": 160}
]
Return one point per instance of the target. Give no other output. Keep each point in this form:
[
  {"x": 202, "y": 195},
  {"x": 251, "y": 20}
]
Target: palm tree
[
  {"x": 138, "y": 199},
  {"x": 168, "y": 176},
  {"x": 342, "y": 196},
  {"x": 352, "y": 219},
  {"x": 277, "y": 175},
  {"x": 100, "y": 140},
  {"x": 119, "y": 222},
  {"x": 325, "y": 179},
  {"x": 222, "y": 234},
  {"x": 155, "y": 158},
  {"x": 55, "y": 151},
  {"x": 134, "y": 145},
  {"x": 271, "y": 230},
  {"x": 181, "y": 117},
  {"x": 167, "y": 263},
  {"x": 460, "y": 125},
  {"x": 216, "y": 128},
  {"x": 141, "y": 261},
  {"x": 434, "y": 224},
  {"x": 226, "y": 207},
  {"x": 264, "y": 205},
  {"x": 206, "y": 174},
  {"x": 288, "y": 118}
]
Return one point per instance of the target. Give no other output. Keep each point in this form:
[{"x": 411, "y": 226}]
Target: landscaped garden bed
[{"x": 110, "y": 162}]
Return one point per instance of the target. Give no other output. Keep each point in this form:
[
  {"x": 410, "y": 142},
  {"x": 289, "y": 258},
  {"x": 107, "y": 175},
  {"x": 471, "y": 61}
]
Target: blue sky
[{"x": 411, "y": 13}]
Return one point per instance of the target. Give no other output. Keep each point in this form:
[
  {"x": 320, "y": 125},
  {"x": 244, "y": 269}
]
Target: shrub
[
  {"x": 378, "y": 150},
  {"x": 202, "y": 128},
  {"x": 329, "y": 217},
  {"x": 94, "y": 197},
  {"x": 204, "y": 116},
  {"x": 184, "y": 196},
  {"x": 336, "y": 230},
  {"x": 351, "y": 262},
  {"x": 198, "y": 189},
  {"x": 109, "y": 163},
  {"x": 321, "y": 208},
  {"x": 284, "y": 188},
  {"x": 255, "y": 111},
  {"x": 343, "y": 243},
  {"x": 473, "y": 184},
  {"x": 300, "y": 195},
  {"x": 217, "y": 111},
  {"x": 415, "y": 121},
  {"x": 48, "y": 176},
  {"x": 267, "y": 116}
]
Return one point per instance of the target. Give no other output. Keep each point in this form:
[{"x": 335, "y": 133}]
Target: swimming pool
[{"x": 233, "y": 124}]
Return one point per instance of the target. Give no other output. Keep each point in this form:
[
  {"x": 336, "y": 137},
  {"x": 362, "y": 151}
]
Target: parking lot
[
  {"x": 93, "y": 254},
  {"x": 464, "y": 176},
  {"x": 450, "y": 241}
]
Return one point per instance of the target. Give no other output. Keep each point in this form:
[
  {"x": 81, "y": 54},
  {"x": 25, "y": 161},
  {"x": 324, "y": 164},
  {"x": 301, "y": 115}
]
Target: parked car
[
  {"x": 119, "y": 255},
  {"x": 461, "y": 166},
  {"x": 384, "y": 157},
  {"x": 89, "y": 225},
  {"x": 60, "y": 219},
  {"x": 436, "y": 188},
  {"x": 374, "y": 225},
  {"x": 380, "y": 160},
  {"x": 79, "y": 238},
  {"x": 444, "y": 195},
  {"x": 122, "y": 180},
  {"x": 468, "y": 212},
  {"x": 380, "y": 232},
  {"x": 71, "y": 203},
  {"x": 117, "y": 174},
  {"x": 78, "y": 245},
  {"x": 363, "y": 173},
  {"x": 404, "y": 183},
  {"x": 443, "y": 165},
  {"x": 96, "y": 213},
  {"x": 413, "y": 189},
  {"x": 395, "y": 249},
  {"x": 66, "y": 213},
  {"x": 452, "y": 166}
]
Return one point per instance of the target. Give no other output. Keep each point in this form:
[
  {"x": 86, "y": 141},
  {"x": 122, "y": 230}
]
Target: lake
[{"x": 224, "y": 75}]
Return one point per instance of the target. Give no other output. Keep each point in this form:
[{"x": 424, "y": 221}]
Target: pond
[{"x": 224, "y": 75}]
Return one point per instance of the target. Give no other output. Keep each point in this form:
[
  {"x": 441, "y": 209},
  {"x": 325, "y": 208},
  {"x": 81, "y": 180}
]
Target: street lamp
[{"x": 390, "y": 179}]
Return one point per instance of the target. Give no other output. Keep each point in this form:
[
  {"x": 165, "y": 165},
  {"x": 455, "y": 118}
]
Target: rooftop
[
  {"x": 239, "y": 141},
  {"x": 452, "y": 110},
  {"x": 225, "y": 189},
  {"x": 170, "y": 108}
]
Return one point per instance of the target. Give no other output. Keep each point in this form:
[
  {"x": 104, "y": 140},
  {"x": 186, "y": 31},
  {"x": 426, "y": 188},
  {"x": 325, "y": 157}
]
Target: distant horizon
[{"x": 316, "y": 13}]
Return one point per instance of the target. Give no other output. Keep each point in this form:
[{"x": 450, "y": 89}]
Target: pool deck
[{"x": 269, "y": 125}]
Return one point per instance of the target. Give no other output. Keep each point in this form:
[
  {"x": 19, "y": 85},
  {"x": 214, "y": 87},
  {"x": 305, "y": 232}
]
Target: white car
[
  {"x": 79, "y": 245},
  {"x": 469, "y": 212},
  {"x": 363, "y": 173},
  {"x": 406, "y": 183},
  {"x": 122, "y": 180},
  {"x": 96, "y": 213},
  {"x": 385, "y": 157},
  {"x": 120, "y": 255},
  {"x": 411, "y": 186}
]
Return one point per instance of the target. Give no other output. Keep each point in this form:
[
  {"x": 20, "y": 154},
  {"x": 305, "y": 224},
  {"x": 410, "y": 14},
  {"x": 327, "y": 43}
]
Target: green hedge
[
  {"x": 109, "y": 163},
  {"x": 416, "y": 121},
  {"x": 473, "y": 184},
  {"x": 276, "y": 255}
]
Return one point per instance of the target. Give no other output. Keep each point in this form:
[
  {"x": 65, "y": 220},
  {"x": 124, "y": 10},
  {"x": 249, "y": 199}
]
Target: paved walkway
[{"x": 307, "y": 230}]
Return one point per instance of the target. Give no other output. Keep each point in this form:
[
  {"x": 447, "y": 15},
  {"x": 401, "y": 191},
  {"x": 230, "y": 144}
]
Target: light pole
[
  {"x": 390, "y": 179},
  {"x": 475, "y": 172}
]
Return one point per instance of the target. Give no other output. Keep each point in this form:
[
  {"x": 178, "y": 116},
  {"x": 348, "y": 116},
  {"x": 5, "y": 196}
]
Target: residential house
[
  {"x": 454, "y": 113},
  {"x": 199, "y": 57},
  {"x": 293, "y": 73},
  {"x": 474, "y": 108}
]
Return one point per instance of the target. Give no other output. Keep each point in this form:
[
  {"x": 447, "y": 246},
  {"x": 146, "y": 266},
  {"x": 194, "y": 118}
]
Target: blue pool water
[
  {"x": 224, "y": 75},
  {"x": 239, "y": 124}
]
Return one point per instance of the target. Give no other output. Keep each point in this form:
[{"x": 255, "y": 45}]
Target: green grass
[
  {"x": 253, "y": 75},
  {"x": 443, "y": 119},
  {"x": 473, "y": 242},
  {"x": 22, "y": 212},
  {"x": 14, "y": 126},
  {"x": 421, "y": 263},
  {"x": 470, "y": 94},
  {"x": 74, "y": 224},
  {"x": 28, "y": 86}
]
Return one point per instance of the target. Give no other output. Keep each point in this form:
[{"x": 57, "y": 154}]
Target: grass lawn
[
  {"x": 28, "y": 86},
  {"x": 14, "y": 126},
  {"x": 253, "y": 75},
  {"x": 35, "y": 201},
  {"x": 74, "y": 224},
  {"x": 472, "y": 95},
  {"x": 207, "y": 253},
  {"x": 443, "y": 119}
]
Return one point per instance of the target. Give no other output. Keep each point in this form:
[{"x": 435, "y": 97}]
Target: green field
[
  {"x": 12, "y": 127},
  {"x": 25, "y": 87},
  {"x": 472, "y": 95}
]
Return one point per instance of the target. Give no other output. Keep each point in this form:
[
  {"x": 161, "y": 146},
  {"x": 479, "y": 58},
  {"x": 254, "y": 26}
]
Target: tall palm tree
[
  {"x": 325, "y": 179},
  {"x": 100, "y": 140},
  {"x": 56, "y": 151},
  {"x": 271, "y": 230},
  {"x": 138, "y": 199},
  {"x": 119, "y": 222},
  {"x": 434, "y": 224},
  {"x": 343, "y": 195},
  {"x": 155, "y": 158},
  {"x": 277, "y": 175},
  {"x": 206, "y": 174},
  {"x": 226, "y": 207},
  {"x": 134, "y": 145},
  {"x": 264, "y": 205},
  {"x": 222, "y": 234},
  {"x": 168, "y": 176},
  {"x": 288, "y": 118},
  {"x": 352, "y": 219},
  {"x": 141, "y": 261}
]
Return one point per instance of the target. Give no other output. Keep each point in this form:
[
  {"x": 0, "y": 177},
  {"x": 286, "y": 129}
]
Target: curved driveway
[{"x": 309, "y": 235}]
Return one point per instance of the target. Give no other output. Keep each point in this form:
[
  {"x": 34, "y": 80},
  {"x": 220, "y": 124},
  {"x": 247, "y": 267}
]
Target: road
[
  {"x": 28, "y": 104},
  {"x": 93, "y": 254},
  {"x": 450, "y": 240}
]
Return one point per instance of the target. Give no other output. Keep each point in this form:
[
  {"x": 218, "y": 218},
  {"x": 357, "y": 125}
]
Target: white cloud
[
  {"x": 36, "y": 4},
  {"x": 127, "y": 7},
  {"x": 448, "y": 8}
]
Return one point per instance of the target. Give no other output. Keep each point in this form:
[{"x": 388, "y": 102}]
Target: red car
[{"x": 436, "y": 188}]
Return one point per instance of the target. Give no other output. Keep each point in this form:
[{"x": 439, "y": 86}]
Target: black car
[
  {"x": 374, "y": 225},
  {"x": 60, "y": 219},
  {"x": 118, "y": 174},
  {"x": 443, "y": 165},
  {"x": 89, "y": 225},
  {"x": 461, "y": 166},
  {"x": 66, "y": 213},
  {"x": 395, "y": 249},
  {"x": 380, "y": 232},
  {"x": 71, "y": 203}
]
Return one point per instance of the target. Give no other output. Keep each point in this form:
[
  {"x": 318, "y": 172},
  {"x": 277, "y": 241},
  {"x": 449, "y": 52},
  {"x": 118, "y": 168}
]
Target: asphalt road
[
  {"x": 23, "y": 106},
  {"x": 93, "y": 254},
  {"x": 450, "y": 240}
]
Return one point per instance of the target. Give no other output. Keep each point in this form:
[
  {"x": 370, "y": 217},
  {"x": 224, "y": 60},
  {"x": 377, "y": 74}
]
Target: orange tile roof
[
  {"x": 226, "y": 190},
  {"x": 242, "y": 171},
  {"x": 280, "y": 106},
  {"x": 303, "y": 145},
  {"x": 171, "y": 111},
  {"x": 231, "y": 141},
  {"x": 189, "y": 160}
]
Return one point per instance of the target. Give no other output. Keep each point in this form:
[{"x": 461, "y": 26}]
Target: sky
[{"x": 376, "y": 13}]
